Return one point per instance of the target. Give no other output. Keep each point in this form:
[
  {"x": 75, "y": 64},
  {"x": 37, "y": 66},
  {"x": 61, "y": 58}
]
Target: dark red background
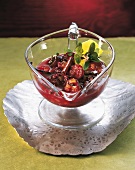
[{"x": 30, "y": 18}]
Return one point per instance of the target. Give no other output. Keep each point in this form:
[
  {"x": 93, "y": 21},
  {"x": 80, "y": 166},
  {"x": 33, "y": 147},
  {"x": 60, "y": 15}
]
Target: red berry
[{"x": 76, "y": 71}]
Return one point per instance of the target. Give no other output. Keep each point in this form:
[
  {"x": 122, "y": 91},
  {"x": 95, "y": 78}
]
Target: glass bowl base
[
  {"x": 21, "y": 109},
  {"x": 72, "y": 118}
]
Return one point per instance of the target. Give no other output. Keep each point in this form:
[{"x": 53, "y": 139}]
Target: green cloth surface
[{"x": 15, "y": 154}]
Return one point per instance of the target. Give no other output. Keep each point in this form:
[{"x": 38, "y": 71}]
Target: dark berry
[{"x": 59, "y": 57}]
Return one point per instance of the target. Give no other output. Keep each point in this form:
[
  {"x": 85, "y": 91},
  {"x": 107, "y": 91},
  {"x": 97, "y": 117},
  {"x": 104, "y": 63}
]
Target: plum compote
[{"x": 70, "y": 76}]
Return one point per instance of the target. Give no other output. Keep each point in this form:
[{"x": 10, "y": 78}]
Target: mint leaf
[
  {"x": 79, "y": 49},
  {"x": 97, "y": 50},
  {"x": 69, "y": 52},
  {"x": 92, "y": 48},
  {"x": 94, "y": 57},
  {"x": 78, "y": 55},
  {"x": 77, "y": 58},
  {"x": 86, "y": 65}
]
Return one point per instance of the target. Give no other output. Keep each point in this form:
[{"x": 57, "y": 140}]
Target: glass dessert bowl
[{"x": 70, "y": 68}]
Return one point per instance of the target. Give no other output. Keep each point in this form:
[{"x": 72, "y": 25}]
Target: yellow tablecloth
[{"x": 15, "y": 154}]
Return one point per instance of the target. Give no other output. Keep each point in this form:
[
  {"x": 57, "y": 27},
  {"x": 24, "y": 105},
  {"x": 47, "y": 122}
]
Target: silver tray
[{"x": 21, "y": 109}]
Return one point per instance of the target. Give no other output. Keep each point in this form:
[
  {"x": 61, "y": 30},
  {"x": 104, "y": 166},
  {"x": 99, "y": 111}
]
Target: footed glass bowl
[{"x": 63, "y": 109}]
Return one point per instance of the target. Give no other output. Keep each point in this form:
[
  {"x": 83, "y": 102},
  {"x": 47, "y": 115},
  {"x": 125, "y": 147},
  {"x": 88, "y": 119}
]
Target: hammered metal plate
[{"x": 21, "y": 109}]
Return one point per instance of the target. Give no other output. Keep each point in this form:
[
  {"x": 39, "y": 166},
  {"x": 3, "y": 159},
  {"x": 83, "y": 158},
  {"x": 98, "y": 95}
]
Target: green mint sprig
[
  {"x": 90, "y": 56},
  {"x": 69, "y": 52}
]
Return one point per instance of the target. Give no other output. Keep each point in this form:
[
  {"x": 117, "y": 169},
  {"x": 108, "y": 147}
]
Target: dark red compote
[{"x": 70, "y": 73}]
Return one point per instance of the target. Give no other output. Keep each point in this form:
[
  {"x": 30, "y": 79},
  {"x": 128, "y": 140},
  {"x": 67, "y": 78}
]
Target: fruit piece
[
  {"x": 92, "y": 66},
  {"x": 62, "y": 64},
  {"x": 86, "y": 46},
  {"x": 57, "y": 79},
  {"x": 72, "y": 85},
  {"x": 45, "y": 68},
  {"x": 76, "y": 71},
  {"x": 96, "y": 67}
]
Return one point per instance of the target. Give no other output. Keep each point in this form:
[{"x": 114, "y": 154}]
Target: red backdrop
[{"x": 36, "y": 18}]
